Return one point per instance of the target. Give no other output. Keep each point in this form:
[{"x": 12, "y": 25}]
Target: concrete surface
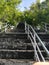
[{"x": 14, "y": 62}]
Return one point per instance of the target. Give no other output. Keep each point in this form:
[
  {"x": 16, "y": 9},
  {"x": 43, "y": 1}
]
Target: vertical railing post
[
  {"x": 45, "y": 28},
  {"x": 25, "y": 26},
  {"x": 35, "y": 56},
  {"x": 28, "y": 31},
  {"x": 5, "y": 28},
  {"x": 35, "y": 48}
]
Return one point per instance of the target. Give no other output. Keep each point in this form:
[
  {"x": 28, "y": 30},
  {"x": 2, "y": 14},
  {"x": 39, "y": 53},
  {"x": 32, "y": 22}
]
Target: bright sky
[
  {"x": 42, "y": 0},
  {"x": 26, "y": 3}
]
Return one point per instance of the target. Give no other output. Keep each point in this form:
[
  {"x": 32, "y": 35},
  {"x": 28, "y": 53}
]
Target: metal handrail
[
  {"x": 38, "y": 49},
  {"x": 38, "y": 59},
  {"x": 35, "y": 43},
  {"x": 40, "y": 41}
]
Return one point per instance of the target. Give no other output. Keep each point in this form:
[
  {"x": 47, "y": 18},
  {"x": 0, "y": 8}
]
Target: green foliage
[
  {"x": 38, "y": 13},
  {"x": 9, "y": 11}
]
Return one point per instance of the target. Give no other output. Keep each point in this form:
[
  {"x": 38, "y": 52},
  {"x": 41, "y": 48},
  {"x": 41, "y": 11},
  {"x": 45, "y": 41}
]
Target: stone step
[
  {"x": 21, "y": 46},
  {"x": 16, "y": 62},
  {"x": 16, "y": 47},
  {"x": 18, "y": 54},
  {"x": 19, "y": 50},
  {"x": 47, "y": 58},
  {"x": 14, "y": 35},
  {"x": 44, "y": 37}
]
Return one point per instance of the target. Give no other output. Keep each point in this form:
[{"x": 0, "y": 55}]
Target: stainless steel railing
[{"x": 30, "y": 31}]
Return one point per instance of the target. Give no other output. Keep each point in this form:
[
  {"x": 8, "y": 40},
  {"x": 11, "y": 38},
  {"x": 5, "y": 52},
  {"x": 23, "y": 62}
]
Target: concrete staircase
[
  {"x": 17, "y": 45},
  {"x": 17, "y": 48}
]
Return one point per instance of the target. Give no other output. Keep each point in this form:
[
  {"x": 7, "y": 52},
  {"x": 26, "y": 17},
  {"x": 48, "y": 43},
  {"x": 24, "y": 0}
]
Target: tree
[
  {"x": 40, "y": 12},
  {"x": 9, "y": 11}
]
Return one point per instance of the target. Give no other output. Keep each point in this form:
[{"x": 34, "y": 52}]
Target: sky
[
  {"x": 26, "y": 3},
  {"x": 42, "y": 0}
]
